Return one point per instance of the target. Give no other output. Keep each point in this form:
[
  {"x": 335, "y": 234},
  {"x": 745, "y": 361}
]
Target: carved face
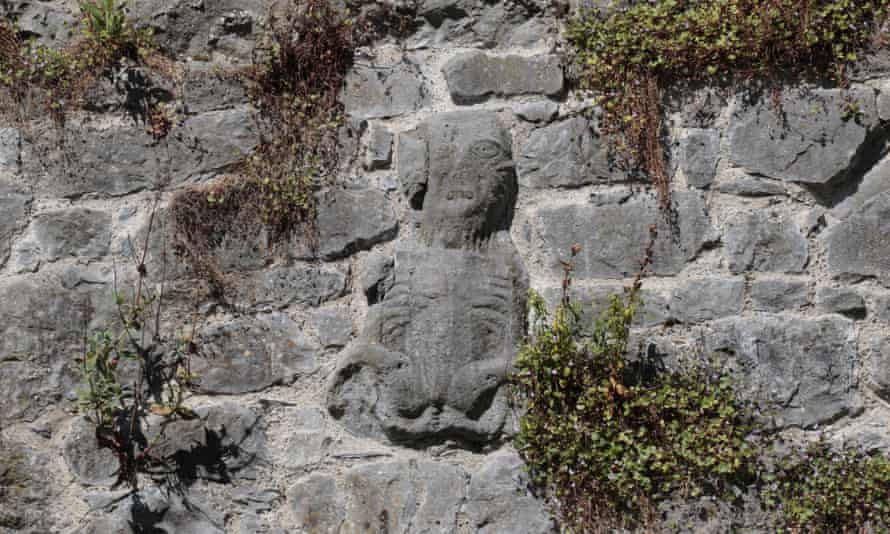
[{"x": 471, "y": 183}]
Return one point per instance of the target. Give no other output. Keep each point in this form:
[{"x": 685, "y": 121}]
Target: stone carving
[{"x": 436, "y": 350}]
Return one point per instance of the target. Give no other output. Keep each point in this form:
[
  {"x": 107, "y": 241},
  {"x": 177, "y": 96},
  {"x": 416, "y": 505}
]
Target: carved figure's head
[{"x": 470, "y": 179}]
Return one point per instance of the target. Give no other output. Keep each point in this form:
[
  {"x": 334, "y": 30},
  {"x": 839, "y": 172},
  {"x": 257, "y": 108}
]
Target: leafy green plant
[
  {"x": 821, "y": 489},
  {"x": 609, "y": 437},
  {"x": 131, "y": 370},
  {"x": 105, "y": 19},
  {"x": 631, "y": 56}
]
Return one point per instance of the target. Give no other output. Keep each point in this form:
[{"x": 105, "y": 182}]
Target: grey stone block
[
  {"x": 875, "y": 183},
  {"x": 352, "y": 220},
  {"x": 10, "y": 150},
  {"x": 750, "y": 186},
  {"x": 15, "y": 203},
  {"x": 90, "y": 464},
  {"x": 776, "y": 294},
  {"x": 699, "y": 151},
  {"x": 810, "y": 143},
  {"x": 54, "y": 235},
  {"x": 474, "y": 76},
  {"x": 613, "y": 237},
  {"x": 379, "y": 150},
  {"x": 840, "y": 300},
  {"x": 876, "y": 349},
  {"x": 858, "y": 247},
  {"x": 802, "y": 368},
  {"x": 759, "y": 241},
  {"x": 498, "y": 500},
  {"x": 376, "y": 277},
  {"x": 702, "y": 299},
  {"x": 569, "y": 153},
  {"x": 245, "y": 354},
  {"x": 286, "y": 285},
  {"x": 380, "y": 92},
  {"x": 332, "y": 326},
  {"x": 537, "y": 111}
]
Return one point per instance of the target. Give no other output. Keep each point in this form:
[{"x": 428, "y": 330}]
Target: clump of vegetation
[
  {"x": 630, "y": 56},
  {"x": 38, "y": 78},
  {"x": 820, "y": 489},
  {"x": 131, "y": 370},
  {"x": 609, "y": 438},
  {"x": 298, "y": 72}
]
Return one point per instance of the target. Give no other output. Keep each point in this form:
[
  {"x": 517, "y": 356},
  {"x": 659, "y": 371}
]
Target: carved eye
[{"x": 485, "y": 149}]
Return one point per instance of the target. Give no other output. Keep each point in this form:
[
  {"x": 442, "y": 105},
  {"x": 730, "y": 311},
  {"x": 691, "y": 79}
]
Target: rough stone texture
[
  {"x": 288, "y": 285},
  {"x": 206, "y": 91},
  {"x": 703, "y": 299},
  {"x": 569, "y": 153},
  {"x": 379, "y": 92},
  {"x": 481, "y": 23},
  {"x": 90, "y": 464},
  {"x": 811, "y": 143},
  {"x": 247, "y": 354},
  {"x": 397, "y": 497},
  {"x": 877, "y": 352},
  {"x": 474, "y": 76},
  {"x": 379, "y": 152},
  {"x": 699, "y": 151},
  {"x": 758, "y": 241},
  {"x": 14, "y": 204},
  {"x": 497, "y": 500},
  {"x": 55, "y": 235},
  {"x": 857, "y": 247},
  {"x": 776, "y": 294},
  {"x": 544, "y": 111},
  {"x": 332, "y": 326},
  {"x": 227, "y": 27},
  {"x": 749, "y": 186},
  {"x": 307, "y": 440},
  {"x": 840, "y": 300},
  {"x": 376, "y": 277},
  {"x": 594, "y": 300},
  {"x": 875, "y": 182},
  {"x": 350, "y": 221},
  {"x": 607, "y": 233},
  {"x": 801, "y": 367},
  {"x": 10, "y": 150}
]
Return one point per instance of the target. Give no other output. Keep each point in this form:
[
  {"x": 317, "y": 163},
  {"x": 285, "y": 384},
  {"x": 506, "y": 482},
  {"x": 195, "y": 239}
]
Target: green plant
[
  {"x": 631, "y": 56},
  {"x": 609, "y": 437},
  {"x": 821, "y": 489},
  {"x": 130, "y": 370},
  {"x": 105, "y": 19}
]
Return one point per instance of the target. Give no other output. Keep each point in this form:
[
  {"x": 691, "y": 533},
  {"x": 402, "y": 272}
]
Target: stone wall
[{"x": 361, "y": 388}]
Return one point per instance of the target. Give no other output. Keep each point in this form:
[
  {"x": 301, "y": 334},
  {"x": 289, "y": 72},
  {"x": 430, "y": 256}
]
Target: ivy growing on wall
[{"x": 630, "y": 56}]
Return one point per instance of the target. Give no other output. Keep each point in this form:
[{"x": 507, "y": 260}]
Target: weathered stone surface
[
  {"x": 858, "y": 246},
  {"x": 840, "y": 300},
  {"x": 544, "y": 111},
  {"x": 609, "y": 234},
  {"x": 307, "y": 438},
  {"x": 123, "y": 158},
  {"x": 227, "y": 27},
  {"x": 810, "y": 143},
  {"x": 224, "y": 442},
  {"x": 801, "y": 367},
  {"x": 699, "y": 151},
  {"x": 205, "y": 90},
  {"x": 379, "y": 151},
  {"x": 777, "y": 294},
  {"x": 10, "y": 150},
  {"x": 879, "y": 306},
  {"x": 352, "y": 220},
  {"x": 750, "y": 186},
  {"x": 251, "y": 354},
  {"x": 569, "y": 153},
  {"x": 413, "y": 165},
  {"x": 594, "y": 300},
  {"x": 702, "y": 299},
  {"x": 90, "y": 464},
  {"x": 15, "y": 204},
  {"x": 481, "y": 23},
  {"x": 41, "y": 330},
  {"x": 332, "y": 326},
  {"x": 498, "y": 502},
  {"x": 51, "y": 23},
  {"x": 54, "y": 235},
  {"x": 875, "y": 182},
  {"x": 376, "y": 276},
  {"x": 434, "y": 353},
  {"x": 380, "y": 92},
  {"x": 759, "y": 241},
  {"x": 875, "y": 348},
  {"x": 396, "y": 497},
  {"x": 474, "y": 76},
  {"x": 156, "y": 510},
  {"x": 29, "y": 491},
  {"x": 298, "y": 284}
]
